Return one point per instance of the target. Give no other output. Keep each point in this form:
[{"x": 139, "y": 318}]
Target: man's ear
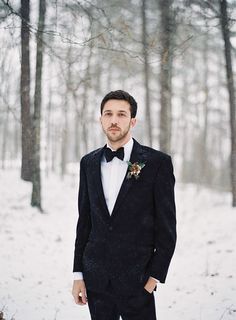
[{"x": 133, "y": 122}]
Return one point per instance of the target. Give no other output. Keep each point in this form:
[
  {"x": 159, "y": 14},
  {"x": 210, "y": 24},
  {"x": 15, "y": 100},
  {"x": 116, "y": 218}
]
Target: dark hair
[{"x": 121, "y": 95}]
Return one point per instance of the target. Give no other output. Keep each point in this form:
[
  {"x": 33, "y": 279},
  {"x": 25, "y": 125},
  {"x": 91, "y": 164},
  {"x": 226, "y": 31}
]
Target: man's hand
[
  {"x": 79, "y": 292},
  {"x": 150, "y": 285}
]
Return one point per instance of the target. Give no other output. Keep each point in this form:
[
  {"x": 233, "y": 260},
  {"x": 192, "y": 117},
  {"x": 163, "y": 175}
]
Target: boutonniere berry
[{"x": 134, "y": 169}]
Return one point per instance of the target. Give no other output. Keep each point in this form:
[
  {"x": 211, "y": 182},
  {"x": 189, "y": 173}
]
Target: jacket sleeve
[
  {"x": 165, "y": 220},
  {"x": 84, "y": 220}
]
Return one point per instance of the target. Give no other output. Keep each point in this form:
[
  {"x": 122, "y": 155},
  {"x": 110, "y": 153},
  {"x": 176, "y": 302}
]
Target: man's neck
[{"x": 117, "y": 144}]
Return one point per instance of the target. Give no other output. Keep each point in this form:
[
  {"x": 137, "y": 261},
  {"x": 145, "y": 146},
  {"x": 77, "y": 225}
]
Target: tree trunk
[
  {"x": 203, "y": 156},
  {"x": 54, "y": 152},
  {"x": 65, "y": 126},
  {"x": 16, "y": 139},
  {"x": 166, "y": 74},
  {"x": 230, "y": 86},
  {"x": 146, "y": 75},
  {"x": 26, "y": 130},
  {"x": 184, "y": 122},
  {"x": 77, "y": 134},
  {"x": 4, "y": 138},
  {"x": 84, "y": 111},
  {"x": 36, "y": 193},
  {"x": 48, "y": 135}
]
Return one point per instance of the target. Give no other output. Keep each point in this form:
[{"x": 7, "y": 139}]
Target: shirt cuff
[
  {"x": 78, "y": 275},
  {"x": 155, "y": 279}
]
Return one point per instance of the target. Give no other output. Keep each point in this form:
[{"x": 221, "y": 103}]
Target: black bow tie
[{"x": 109, "y": 154}]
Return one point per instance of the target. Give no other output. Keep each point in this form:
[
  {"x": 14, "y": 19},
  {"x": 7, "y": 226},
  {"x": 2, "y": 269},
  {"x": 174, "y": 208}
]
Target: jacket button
[{"x": 110, "y": 228}]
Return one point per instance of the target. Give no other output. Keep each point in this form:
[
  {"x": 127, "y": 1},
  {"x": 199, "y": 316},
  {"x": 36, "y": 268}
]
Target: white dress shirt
[{"x": 112, "y": 175}]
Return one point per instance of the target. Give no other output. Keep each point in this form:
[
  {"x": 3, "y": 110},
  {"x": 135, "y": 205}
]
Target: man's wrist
[
  {"x": 155, "y": 279},
  {"x": 78, "y": 275}
]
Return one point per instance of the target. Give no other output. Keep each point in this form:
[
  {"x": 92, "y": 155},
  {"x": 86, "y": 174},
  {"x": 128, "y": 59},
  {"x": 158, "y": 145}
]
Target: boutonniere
[{"x": 134, "y": 169}]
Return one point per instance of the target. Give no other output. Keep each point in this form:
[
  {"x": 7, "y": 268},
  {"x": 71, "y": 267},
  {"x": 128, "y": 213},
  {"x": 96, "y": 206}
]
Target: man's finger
[
  {"x": 76, "y": 296},
  {"x": 84, "y": 297},
  {"x": 80, "y": 301}
]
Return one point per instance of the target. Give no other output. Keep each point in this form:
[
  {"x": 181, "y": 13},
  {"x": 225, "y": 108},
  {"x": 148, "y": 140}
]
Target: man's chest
[{"x": 112, "y": 176}]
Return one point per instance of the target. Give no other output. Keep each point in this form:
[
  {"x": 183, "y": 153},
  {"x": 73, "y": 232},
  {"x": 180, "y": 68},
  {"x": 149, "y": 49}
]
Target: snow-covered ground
[{"x": 36, "y": 252}]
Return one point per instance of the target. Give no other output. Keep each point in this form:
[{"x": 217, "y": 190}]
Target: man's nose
[{"x": 114, "y": 120}]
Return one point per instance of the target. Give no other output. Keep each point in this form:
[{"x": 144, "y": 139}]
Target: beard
[{"x": 120, "y": 135}]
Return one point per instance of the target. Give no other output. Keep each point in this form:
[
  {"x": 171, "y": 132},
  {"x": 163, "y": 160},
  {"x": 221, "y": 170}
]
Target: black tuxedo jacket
[{"x": 138, "y": 239}]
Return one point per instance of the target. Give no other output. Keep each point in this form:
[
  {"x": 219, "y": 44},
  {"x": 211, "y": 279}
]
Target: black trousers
[{"x": 110, "y": 306}]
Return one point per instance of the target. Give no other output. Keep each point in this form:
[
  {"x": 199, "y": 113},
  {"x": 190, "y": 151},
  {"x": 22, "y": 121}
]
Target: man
[{"x": 126, "y": 231}]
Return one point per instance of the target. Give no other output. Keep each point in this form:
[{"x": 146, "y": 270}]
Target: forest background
[{"x": 57, "y": 61}]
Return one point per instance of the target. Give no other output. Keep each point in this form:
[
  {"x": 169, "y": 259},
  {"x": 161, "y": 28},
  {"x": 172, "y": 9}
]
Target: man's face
[{"x": 116, "y": 119}]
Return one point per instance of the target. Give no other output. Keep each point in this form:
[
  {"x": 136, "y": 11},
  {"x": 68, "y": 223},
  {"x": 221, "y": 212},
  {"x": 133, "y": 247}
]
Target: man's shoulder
[
  {"x": 90, "y": 155},
  {"x": 156, "y": 154}
]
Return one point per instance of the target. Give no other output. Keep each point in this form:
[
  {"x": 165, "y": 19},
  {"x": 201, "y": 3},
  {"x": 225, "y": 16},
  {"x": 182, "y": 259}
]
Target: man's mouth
[{"x": 113, "y": 129}]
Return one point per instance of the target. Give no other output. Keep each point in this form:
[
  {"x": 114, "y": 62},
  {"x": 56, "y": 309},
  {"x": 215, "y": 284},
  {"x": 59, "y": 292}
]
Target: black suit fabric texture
[{"x": 138, "y": 239}]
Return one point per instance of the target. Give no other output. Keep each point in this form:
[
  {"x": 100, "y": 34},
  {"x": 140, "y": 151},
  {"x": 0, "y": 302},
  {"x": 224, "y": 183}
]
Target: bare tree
[
  {"x": 204, "y": 134},
  {"x": 65, "y": 111},
  {"x": 146, "y": 73},
  {"x": 166, "y": 73},
  {"x": 26, "y": 132},
  {"x": 4, "y": 138},
  {"x": 84, "y": 107},
  {"x": 36, "y": 192},
  {"x": 230, "y": 85}
]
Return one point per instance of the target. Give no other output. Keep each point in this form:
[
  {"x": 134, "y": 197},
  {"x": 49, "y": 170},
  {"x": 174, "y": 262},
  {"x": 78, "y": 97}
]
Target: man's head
[
  {"x": 121, "y": 95},
  {"x": 118, "y": 111}
]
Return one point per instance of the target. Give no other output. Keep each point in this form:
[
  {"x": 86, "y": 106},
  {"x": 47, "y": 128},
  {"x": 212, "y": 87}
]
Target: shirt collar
[{"x": 127, "y": 149}]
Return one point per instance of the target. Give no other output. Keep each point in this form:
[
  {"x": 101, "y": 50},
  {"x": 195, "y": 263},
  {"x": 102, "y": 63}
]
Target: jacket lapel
[
  {"x": 96, "y": 171},
  {"x": 137, "y": 155}
]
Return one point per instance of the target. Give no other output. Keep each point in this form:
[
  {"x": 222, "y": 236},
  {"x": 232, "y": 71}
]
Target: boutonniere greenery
[{"x": 134, "y": 169}]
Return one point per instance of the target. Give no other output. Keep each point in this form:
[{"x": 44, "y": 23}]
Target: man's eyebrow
[{"x": 118, "y": 111}]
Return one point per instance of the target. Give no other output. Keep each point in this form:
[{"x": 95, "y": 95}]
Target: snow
[{"x": 36, "y": 253}]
